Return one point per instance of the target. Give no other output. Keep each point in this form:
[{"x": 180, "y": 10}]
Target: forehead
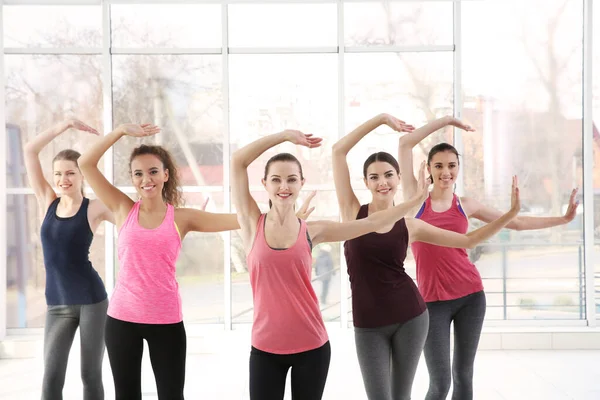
[
  {"x": 284, "y": 168},
  {"x": 444, "y": 156},
  {"x": 380, "y": 167},
  {"x": 146, "y": 161},
  {"x": 64, "y": 165}
]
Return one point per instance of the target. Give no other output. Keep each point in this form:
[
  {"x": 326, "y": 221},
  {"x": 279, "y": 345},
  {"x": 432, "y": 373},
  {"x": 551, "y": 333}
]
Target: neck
[
  {"x": 438, "y": 193},
  {"x": 69, "y": 201},
  {"x": 281, "y": 214},
  {"x": 380, "y": 204},
  {"x": 153, "y": 205}
]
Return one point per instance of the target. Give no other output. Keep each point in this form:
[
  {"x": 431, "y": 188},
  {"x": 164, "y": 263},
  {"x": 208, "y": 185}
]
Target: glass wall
[{"x": 214, "y": 88}]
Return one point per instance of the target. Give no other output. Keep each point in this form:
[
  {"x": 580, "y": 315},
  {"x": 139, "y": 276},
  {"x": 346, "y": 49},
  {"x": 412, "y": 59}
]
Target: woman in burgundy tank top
[
  {"x": 288, "y": 329},
  {"x": 390, "y": 317},
  {"x": 448, "y": 280}
]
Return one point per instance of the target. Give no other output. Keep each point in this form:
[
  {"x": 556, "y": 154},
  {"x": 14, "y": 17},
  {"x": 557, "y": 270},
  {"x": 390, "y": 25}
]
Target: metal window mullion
[
  {"x": 54, "y": 50},
  {"x": 457, "y": 88},
  {"x": 226, "y": 156},
  {"x": 3, "y": 194},
  {"x": 588, "y": 163},
  {"x": 398, "y": 49},
  {"x": 107, "y": 120},
  {"x": 167, "y": 50}
]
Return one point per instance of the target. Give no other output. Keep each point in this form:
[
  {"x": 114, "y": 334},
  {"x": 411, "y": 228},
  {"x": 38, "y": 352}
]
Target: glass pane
[
  {"x": 166, "y": 25},
  {"x": 400, "y": 23},
  {"x": 25, "y": 273},
  {"x": 181, "y": 94},
  {"x": 415, "y": 87},
  {"x": 596, "y": 119},
  {"x": 325, "y": 280},
  {"x": 35, "y": 103},
  {"x": 52, "y": 26},
  {"x": 528, "y": 121},
  {"x": 282, "y": 25},
  {"x": 269, "y": 93}
]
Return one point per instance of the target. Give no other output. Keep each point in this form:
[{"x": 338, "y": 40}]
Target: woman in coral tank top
[
  {"x": 288, "y": 329},
  {"x": 449, "y": 282}
]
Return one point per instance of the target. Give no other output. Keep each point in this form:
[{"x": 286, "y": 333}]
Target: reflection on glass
[
  {"x": 270, "y": 93},
  {"x": 35, "y": 103},
  {"x": 52, "y": 26},
  {"x": 166, "y": 25},
  {"x": 181, "y": 94},
  {"x": 282, "y": 25},
  {"x": 381, "y": 23},
  {"x": 25, "y": 273},
  {"x": 414, "y": 87}
]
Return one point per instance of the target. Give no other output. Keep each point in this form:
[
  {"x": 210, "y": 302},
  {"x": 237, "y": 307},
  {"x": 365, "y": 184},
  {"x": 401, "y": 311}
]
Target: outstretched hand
[
  {"x": 423, "y": 183},
  {"x": 515, "y": 197},
  {"x": 302, "y": 139},
  {"x": 80, "y": 126},
  {"x": 461, "y": 125},
  {"x": 304, "y": 211},
  {"x": 396, "y": 124},
  {"x": 573, "y": 204},
  {"x": 136, "y": 130}
]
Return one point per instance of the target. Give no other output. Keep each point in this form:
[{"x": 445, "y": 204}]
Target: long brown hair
[
  {"x": 69, "y": 155},
  {"x": 171, "y": 192}
]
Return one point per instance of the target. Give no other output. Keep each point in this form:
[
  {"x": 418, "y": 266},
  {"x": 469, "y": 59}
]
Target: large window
[
  {"x": 527, "y": 113},
  {"x": 596, "y": 136}
]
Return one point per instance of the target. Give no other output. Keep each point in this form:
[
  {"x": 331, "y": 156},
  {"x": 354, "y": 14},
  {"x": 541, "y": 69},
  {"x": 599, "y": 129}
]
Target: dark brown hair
[
  {"x": 285, "y": 157},
  {"x": 381, "y": 156}
]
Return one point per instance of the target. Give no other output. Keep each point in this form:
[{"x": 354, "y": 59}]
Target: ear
[
  {"x": 428, "y": 169},
  {"x": 366, "y": 183},
  {"x": 302, "y": 182},
  {"x": 264, "y": 182},
  {"x": 166, "y": 174}
]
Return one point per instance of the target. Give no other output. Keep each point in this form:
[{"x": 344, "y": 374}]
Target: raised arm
[
  {"x": 328, "y": 231},
  {"x": 420, "y": 231},
  {"x": 115, "y": 200},
  {"x": 407, "y": 142},
  {"x": 521, "y": 223},
  {"x": 41, "y": 187},
  {"x": 246, "y": 207},
  {"x": 347, "y": 200}
]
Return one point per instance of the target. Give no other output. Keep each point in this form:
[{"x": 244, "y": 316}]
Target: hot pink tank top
[
  {"x": 287, "y": 318},
  {"x": 445, "y": 273},
  {"x": 146, "y": 290}
]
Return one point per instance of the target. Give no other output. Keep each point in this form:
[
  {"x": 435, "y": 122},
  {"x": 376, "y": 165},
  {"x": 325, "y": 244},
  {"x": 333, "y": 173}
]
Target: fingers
[{"x": 309, "y": 212}]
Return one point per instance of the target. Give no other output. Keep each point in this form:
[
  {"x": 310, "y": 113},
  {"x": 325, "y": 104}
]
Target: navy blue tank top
[{"x": 70, "y": 277}]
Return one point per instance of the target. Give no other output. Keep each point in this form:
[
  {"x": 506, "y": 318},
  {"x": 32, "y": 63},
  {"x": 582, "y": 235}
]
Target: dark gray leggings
[
  {"x": 388, "y": 357},
  {"x": 467, "y": 313},
  {"x": 61, "y": 324}
]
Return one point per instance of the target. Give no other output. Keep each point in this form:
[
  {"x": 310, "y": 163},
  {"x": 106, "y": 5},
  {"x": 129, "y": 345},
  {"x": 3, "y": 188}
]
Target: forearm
[
  {"x": 247, "y": 154},
  {"x": 415, "y": 137},
  {"x": 41, "y": 140},
  {"x": 345, "y": 144},
  {"x": 489, "y": 230},
  {"x": 395, "y": 213},
  {"x": 90, "y": 158},
  {"x": 531, "y": 223}
]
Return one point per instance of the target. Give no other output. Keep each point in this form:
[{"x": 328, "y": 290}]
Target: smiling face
[
  {"x": 382, "y": 180},
  {"x": 283, "y": 182},
  {"x": 148, "y": 175},
  {"x": 444, "y": 168},
  {"x": 67, "y": 177}
]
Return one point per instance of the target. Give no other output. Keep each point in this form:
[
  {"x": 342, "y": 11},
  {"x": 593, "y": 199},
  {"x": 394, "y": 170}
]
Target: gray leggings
[
  {"x": 467, "y": 313},
  {"x": 389, "y": 356},
  {"x": 61, "y": 324}
]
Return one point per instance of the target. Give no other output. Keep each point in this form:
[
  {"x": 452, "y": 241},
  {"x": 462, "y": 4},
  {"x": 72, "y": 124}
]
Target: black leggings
[
  {"x": 309, "y": 373},
  {"x": 467, "y": 313},
  {"x": 167, "y": 348}
]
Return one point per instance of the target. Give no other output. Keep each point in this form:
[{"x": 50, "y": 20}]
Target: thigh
[
  {"x": 267, "y": 375},
  {"x": 309, "y": 373},
  {"x": 167, "y": 345},
  {"x": 374, "y": 351},
  {"x": 468, "y": 322},
  {"x": 437, "y": 344},
  {"x": 407, "y": 346},
  {"x": 61, "y": 324},
  {"x": 125, "y": 347},
  {"x": 91, "y": 330}
]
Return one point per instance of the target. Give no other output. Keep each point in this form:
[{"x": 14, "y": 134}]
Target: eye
[
  {"x": 292, "y": 180},
  {"x": 275, "y": 180},
  {"x": 154, "y": 172},
  {"x": 389, "y": 175},
  {"x": 138, "y": 174},
  {"x": 373, "y": 178}
]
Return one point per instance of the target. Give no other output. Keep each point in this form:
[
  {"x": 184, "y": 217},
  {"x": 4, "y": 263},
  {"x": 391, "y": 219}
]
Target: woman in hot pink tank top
[
  {"x": 146, "y": 304},
  {"x": 447, "y": 279},
  {"x": 288, "y": 329}
]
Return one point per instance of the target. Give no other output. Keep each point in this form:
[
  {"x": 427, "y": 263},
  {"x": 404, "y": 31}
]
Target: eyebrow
[
  {"x": 289, "y": 176},
  {"x": 375, "y": 174}
]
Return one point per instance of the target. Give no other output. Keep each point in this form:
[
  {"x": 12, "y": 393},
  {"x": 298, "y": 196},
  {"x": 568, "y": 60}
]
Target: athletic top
[
  {"x": 147, "y": 290},
  {"x": 382, "y": 292},
  {"x": 445, "y": 273},
  {"x": 287, "y": 318},
  {"x": 70, "y": 277}
]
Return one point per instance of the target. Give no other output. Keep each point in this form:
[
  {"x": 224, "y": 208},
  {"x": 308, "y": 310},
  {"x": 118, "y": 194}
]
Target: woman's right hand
[
  {"x": 515, "y": 197},
  {"x": 302, "y": 139},
  {"x": 422, "y": 184},
  {"x": 137, "y": 130},
  {"x": 80, "y": 126},
  {"x": 396, "y": 124}
]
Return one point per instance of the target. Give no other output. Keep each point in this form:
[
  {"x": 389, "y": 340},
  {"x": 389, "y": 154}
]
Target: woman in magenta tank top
[
  {"x": 390, "y": 317},
  {"x": 288, "y": 329},
  {"x": 449, "y": 282},
  {"x": 146, "y": 304}
]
